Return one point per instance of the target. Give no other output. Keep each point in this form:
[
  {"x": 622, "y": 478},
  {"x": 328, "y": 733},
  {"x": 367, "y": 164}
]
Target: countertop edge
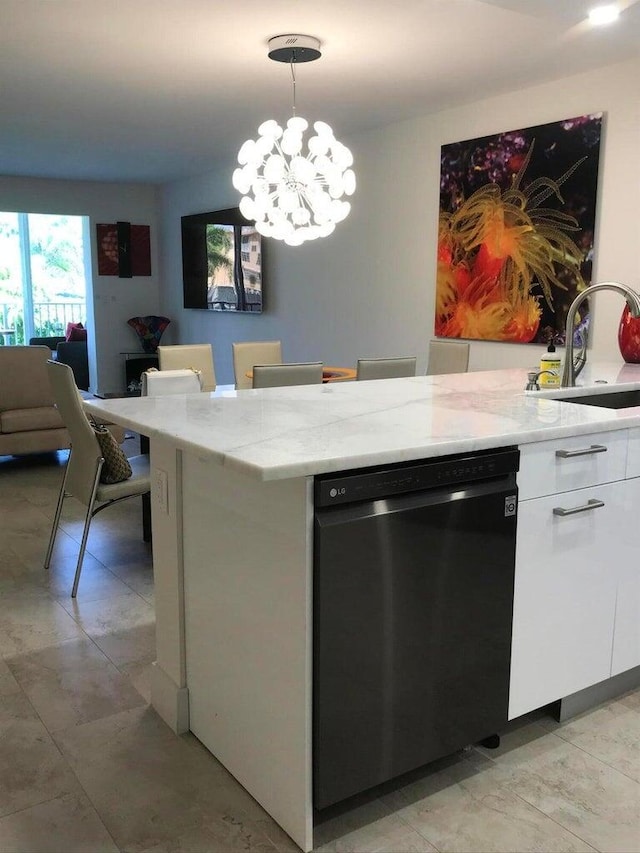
[{"x": 611, "y": 421}]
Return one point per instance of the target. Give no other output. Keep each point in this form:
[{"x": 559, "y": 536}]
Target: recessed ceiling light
[{"x": 604, "y": 14}]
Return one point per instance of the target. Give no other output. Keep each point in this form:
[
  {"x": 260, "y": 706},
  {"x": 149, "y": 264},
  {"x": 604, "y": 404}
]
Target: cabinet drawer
[
  {"x": 565, "y": 594},
  {"x": 575, "y": 462}
]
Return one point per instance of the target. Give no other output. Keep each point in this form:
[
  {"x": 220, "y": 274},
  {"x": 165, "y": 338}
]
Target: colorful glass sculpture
[{"x": 149, "y": 330}]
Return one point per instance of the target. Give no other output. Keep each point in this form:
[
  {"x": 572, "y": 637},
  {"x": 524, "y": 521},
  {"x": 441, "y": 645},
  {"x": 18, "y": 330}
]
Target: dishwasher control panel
[{"x": 386, "y": 481}]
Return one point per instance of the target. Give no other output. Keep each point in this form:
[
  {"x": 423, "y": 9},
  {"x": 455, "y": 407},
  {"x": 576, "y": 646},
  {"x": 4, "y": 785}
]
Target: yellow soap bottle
[{"x": 550, "y": 361}]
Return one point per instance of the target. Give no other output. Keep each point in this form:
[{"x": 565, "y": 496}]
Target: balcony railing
[{"x": 49, "y": 318}]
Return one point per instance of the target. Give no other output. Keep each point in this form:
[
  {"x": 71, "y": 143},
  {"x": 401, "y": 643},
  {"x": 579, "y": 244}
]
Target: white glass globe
[
  {"x": 240, "y": 181},
  {"x": 349, "y": 179},
  {"x": 248, "y": 208},
  {"x": 301, "y": 216},
  {"x": 271, "y": 129},
  {"x": 297, "y": 124},
  {"x": 274, "y": 168},
  {"x": 291, "y": 142}
]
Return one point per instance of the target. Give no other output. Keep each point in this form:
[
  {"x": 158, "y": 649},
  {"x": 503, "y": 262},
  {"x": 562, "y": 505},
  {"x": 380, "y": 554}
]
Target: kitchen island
[{"x": 232, "y": 507}]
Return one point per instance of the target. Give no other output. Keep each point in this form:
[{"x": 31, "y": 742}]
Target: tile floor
[{"x": 87, "y": 765}]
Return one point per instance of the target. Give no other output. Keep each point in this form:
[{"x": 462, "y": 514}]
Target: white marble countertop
[{"x": 277, "y": 433}]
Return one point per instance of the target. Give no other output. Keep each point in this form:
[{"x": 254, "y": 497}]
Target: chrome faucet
[{"x": 571, "y": 370}]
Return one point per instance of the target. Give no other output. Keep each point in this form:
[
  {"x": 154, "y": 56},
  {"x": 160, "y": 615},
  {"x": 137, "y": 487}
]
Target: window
[{"x": 42, "y": 274}]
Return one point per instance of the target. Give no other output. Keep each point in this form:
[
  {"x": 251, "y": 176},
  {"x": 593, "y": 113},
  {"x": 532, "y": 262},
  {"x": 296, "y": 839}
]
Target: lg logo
[{"x": 334, "y": 493}]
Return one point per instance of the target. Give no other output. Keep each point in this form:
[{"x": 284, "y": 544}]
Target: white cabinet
[
  {"x": 626, "y": 640},
  {"x": 577, "y": 585},
  {"x": 633, "y": 455}
]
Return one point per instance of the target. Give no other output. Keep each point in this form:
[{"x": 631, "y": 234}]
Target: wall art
[
  {"x": 516, "y": 231},
  {"x": 124, "y": 249}
]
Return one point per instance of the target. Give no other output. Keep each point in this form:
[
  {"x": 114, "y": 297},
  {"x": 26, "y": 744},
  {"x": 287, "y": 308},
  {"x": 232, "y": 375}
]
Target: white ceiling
[{"x": 156, "y": 90}]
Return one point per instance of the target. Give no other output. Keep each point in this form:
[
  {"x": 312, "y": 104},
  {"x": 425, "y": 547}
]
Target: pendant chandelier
[{"x": 294, "y": 194}]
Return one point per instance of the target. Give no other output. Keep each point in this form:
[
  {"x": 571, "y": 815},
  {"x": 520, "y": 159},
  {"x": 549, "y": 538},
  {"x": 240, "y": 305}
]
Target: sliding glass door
[{"x": 43, "y": 274}]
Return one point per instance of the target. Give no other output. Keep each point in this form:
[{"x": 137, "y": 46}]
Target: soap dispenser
[{"x": 550, "y": 361}]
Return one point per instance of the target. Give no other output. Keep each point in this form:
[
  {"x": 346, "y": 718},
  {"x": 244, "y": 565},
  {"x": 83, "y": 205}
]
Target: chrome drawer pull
[
  {"x": 586, "y": 451},
  {"x": 590, "y": 504}
]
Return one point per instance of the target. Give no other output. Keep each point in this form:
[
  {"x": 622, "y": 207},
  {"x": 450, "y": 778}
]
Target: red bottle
[{"x": 629, "y": 337}]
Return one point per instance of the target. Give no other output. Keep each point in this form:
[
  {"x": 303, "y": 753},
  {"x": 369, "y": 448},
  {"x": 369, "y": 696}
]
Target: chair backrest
[
  {"x": 448, "y": 357},
  {"x": 246, "y": 354},
  {"x": 198, "y": 356},
  {"x": 274, "y": 375},
  {"x": 158, "y": 383},
  {"x": 386, "y": 368},
  {"x": 85, "y": 450},
  {"x": 76, "y": 355},
  {"x": 24, "y": 383}
]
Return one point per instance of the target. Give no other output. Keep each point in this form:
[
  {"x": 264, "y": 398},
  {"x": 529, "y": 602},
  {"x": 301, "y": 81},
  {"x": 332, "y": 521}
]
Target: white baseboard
[{"x": 169, "y": 700}]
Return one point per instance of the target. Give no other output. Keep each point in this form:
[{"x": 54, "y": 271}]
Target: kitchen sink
[{"x": 613, "y": 400}]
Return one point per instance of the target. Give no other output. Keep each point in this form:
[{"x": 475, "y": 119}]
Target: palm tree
[{"x": 219, "y": 245}]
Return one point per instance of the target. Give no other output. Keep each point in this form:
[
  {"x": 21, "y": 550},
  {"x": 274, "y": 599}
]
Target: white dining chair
[
  {"x": 82, "y": 472},
  {"x": 248, "y": 353},
  {"x": 447, "y": 357},
  {"x": 197, "y": 356},
  {"x": 291, "y": 373},
  {"x": 386, "y": 368}
]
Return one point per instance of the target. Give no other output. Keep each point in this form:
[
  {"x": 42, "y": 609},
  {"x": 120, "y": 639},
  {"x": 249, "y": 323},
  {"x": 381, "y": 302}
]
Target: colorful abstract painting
[
  {"x": 516, "y": 231},
  {"x": 124, "y": 249}
]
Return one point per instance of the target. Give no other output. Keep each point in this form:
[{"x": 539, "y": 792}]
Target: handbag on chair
[
  {"x": 116, "y": 467},
  {"x": 159, "y": 382}
]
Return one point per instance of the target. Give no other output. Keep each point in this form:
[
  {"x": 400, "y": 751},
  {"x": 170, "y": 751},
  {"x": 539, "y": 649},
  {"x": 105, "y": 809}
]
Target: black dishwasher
[{"x": 413, "y": 601}]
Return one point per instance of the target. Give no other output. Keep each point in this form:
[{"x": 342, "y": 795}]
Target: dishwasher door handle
[{"x": 592, "y": 503}]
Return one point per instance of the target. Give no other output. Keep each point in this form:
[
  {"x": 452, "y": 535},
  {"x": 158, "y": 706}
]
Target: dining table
[{"x": 329, "y": 374}]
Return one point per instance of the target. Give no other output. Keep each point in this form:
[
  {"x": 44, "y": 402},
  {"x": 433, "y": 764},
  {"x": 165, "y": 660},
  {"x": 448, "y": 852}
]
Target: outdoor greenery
[
  {"x": 219, "y": 246},
  {"x": 54, "y": 244}
]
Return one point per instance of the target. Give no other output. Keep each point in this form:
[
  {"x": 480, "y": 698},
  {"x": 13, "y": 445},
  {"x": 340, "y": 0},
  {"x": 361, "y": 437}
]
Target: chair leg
[
  {"x": 85, "y": 533},
  {"x": 56, "y": 520}
]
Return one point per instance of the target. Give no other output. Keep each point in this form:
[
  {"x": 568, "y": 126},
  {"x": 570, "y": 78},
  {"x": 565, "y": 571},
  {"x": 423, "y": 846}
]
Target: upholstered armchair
[
  {"x": 73, "y": 353},
  {"x": 52, "y": 343}
]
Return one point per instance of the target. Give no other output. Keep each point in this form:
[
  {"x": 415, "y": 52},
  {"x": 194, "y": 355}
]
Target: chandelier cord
[{"x": 293, "y": 79}]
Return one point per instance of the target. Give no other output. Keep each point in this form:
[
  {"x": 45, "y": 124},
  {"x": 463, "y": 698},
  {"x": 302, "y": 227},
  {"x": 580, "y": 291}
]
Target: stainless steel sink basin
[{"x": 614, "y": 400}]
